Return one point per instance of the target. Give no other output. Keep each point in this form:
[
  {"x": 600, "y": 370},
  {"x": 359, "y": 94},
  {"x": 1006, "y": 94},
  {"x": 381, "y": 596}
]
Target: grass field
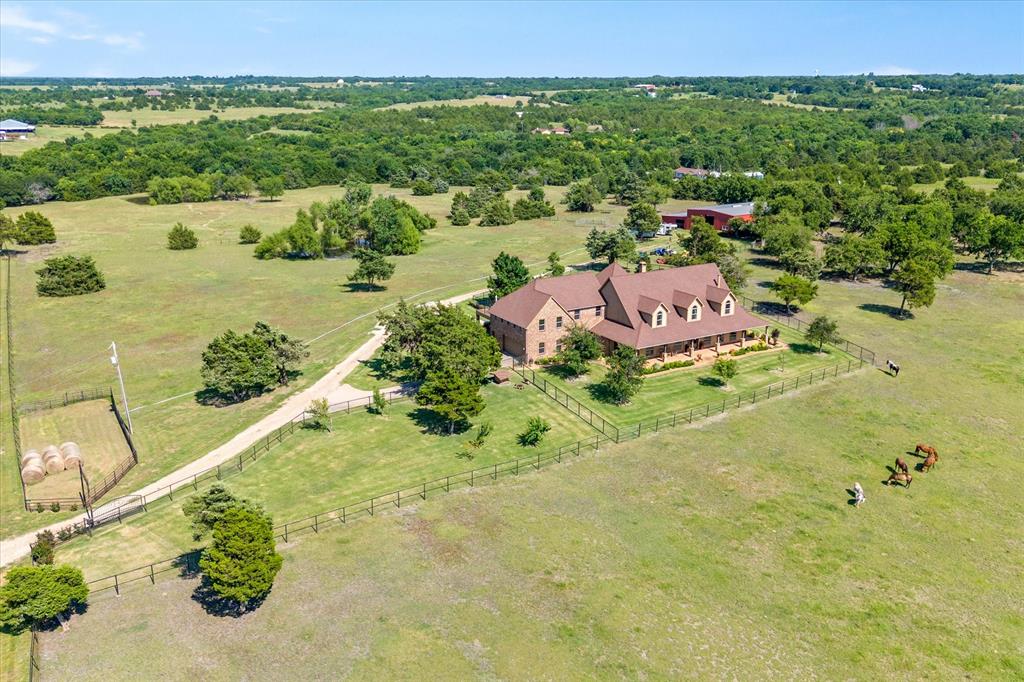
[
  {"x": 114, "y": 121},
  {"x": 725, "y": 551},
  {"x": 163, "y": 307},
  {"x": 674, "y": 390},
  {"x": 93, "y": 426},
  {"x": 364, "y": 455},
  {"x": 972, "y": 181},
  {"x": 491, "y": 100}
]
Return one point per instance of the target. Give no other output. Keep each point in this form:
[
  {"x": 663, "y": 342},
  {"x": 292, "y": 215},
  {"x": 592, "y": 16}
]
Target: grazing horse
[
  {"x": 930, "y": 461},
  {"x": 901, "y": 465},
  {"x": 926, "y": 449},
  {"x": 893, "y": 368},
  {"x": 902, "y": 478}
]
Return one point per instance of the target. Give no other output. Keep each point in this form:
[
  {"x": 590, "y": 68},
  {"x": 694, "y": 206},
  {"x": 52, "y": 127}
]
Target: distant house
[
  {"x": 663, "y": 314},
  {"x": 757, "y": 175},
  {"x": 717, "y": 217},
  {"x": 154, "y": 93},
  {"x": 11, "y": 129},
  {"x": 649, "y": 88},
  {"x": 684, "y": 171},
  {"x": 558, "y": 130},
  {"x": 917, "y": 87}
]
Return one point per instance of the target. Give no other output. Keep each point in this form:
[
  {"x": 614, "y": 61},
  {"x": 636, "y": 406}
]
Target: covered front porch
[{"x": 707, "y": 349}]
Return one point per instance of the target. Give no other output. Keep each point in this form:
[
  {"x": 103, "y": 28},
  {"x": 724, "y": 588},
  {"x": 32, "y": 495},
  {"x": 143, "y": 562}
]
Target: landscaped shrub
[
  {"x": 674, "y": 364},
  {"x": 42, "y": 550},
  {"x": 760, "y": 345},
  {"x": 249, "y": 235},
  {"x": 69, "y": 276},
  {"x": 422, "y": 188},
  {"x": 34, "y": 228},
  {"x": 536, "y": 428},
  {"x": 181, "y": 238}
]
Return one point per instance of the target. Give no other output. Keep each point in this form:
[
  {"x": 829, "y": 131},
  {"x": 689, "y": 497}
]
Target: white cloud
[
  {"x": 893, "y": 70},
  {"x": 15, "y": 67},
  {"x": 13, "y": 16}
]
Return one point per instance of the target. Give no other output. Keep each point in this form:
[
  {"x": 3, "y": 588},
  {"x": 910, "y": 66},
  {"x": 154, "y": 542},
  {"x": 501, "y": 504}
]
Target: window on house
[
  {"x": 558, "y": 322},
  {"x": 558, "y": 346},
  {"x": 694, "y": 311},
  {"x": 541, "y": 323},
  {"x": 660, "y": 319},
  {"x": 732, "y": 336},
  {"x": 576, "y": 314},
  {"x": 540, "y": 348},
  {"x": 728, "y": 307},
  {"x": 597, "y": 311}
]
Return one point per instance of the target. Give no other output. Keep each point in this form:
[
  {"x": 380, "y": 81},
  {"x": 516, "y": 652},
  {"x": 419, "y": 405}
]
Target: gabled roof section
[
  {"x": 716, "y": 294},
  {"x": 646, "y": 304},
  {"x": 572, "y": 291},
  {"x": 521, "y": 306},
  {"x": 613, "y": 270},
  {"x": 683, "y": 299}
]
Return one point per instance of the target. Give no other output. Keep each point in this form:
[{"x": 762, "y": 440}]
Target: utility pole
[{"x": 120, "y": 378}]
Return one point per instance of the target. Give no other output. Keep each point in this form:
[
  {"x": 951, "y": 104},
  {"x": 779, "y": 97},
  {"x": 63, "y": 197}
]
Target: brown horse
[
  {"x": 900, "y": 477},
  {"x": 901, "y": 465},
  {"x": 926, "y": 449},
  {"x": 929, "y": 461}
]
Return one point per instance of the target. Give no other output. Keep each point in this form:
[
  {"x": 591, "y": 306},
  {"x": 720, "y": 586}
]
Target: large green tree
[
  {"x": 791, "y": 288},
  {"x": 510, "y": 273},
  {"x": 287, "y": 352},
  {"x": 451, "y": 395},
  {"x": 34, "y": 228},
  {"x": 854, "y": 255},
  {"x": 625, "y": 375},
  {"x": 31, "y": 596},
  {"x": 238, "y": 366},
  {"x": 642, "y": 219},
  {"x": 581, "y": 197},
  {"x": 823, "y": 330},
  {"x": 69, "y": 276},
  {"x": 207, "y": 509},
  {"x": 373, "y": 268},
  {"x": 579, "y": 347},
  {"x": 270, "y": 187},
  {"x": 242, "y": 561},
  {"x": 916, "y": 281},
  {"x": 613, "y": 245}
]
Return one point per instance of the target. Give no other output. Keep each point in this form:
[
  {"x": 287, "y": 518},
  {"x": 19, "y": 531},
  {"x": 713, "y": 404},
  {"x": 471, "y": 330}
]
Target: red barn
[{"x": 716, "y": 216}]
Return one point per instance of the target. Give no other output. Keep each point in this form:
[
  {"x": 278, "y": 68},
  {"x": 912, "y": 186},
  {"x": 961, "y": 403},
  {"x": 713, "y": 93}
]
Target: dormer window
[
  {"x": 694, "y": 312},
  {"x": 727, "y": 308},
  {"x": 659, "y": 320}
]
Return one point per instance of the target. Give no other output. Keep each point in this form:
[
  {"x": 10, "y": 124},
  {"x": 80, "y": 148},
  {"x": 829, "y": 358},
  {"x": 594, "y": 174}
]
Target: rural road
[{"x": 329, "y": 386}]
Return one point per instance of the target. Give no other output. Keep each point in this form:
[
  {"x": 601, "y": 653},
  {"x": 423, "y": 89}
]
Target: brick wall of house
[{"x": 525, "y": 343}]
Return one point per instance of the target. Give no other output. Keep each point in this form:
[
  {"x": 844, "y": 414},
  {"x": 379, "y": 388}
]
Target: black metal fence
[
  {"x": 11, "y": 395},
  {"x": 33, "y": 656},
  {"x": 763, "y": 309},
  {"x": 567, "y": 401},
  {"x": 189, "y": 563},
  {"x": 134, "y": 504},
  {"x": 65, "y": 399}
]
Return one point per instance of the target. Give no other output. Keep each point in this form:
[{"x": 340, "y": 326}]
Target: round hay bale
[
  {"x": 52, "y": 459},
  {"x": 30, "y": 456},
  {"x": 72, "y": 454},
  {"x": 32, "y": 473}
]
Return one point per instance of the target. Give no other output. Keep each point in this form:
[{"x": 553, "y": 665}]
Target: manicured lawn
[
  {"x": 365, "y": 455},
  {"x": 162, "y": 307},
  {"x": 725, "y": 551},
  {"x": 14, "y": 656},
  {"x": 674, "y": 390}
]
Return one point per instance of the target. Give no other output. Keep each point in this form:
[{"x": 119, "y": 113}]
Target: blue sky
[{"x": 505, "y": 39}]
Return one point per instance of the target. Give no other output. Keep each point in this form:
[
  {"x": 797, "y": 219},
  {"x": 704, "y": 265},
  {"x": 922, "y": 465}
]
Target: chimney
[{"x": 642, "y": 266}]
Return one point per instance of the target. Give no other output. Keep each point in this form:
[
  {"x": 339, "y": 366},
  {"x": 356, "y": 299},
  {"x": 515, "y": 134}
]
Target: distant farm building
[
  {"x": 649, "y": 88},
  {"x": 716, "y": 216},
  {"x": 154, "y": 93},
  {"x": 11, "y": 129},
  {"x": 684, "y": 171},
  {"x": 917, "y": 87},
  {"x": 558, "y": 130}
]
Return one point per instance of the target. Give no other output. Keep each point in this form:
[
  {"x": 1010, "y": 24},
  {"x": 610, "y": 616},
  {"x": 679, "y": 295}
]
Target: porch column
[
  {"x": 767, "y": 339},
  {"x": 718, "y": 343},
  {"x": 743, "y": 338}
]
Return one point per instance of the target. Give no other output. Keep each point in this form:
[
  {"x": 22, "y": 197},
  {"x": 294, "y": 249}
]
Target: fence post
[
  {"x": 690, "y": 418},
  {"x": 117, "y": 587},
  {"x": 343, "y": 511},
  {"x": 286, "y": 532},
  {"x": 423, "y": 493},
  {"x": 218, "y": 472},
  {"x": 472, "y": 478},
  {"x": 494, "y": 476},
  {"x": 316, "y": 523},
  {"x": 152, "y": 577},
  {"x": 447, "y": 484},
  {"x": 398, "y": 499},
  {"x": 537, "y": 465},
  {"x": 371, "y": 506},
  {"x": 239, "y": 462}
]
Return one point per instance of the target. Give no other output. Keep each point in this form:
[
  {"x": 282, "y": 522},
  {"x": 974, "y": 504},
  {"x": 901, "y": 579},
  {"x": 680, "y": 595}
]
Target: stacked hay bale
[
  {"x": 72, "y": 454},
  {"x": 32, "y": 468},
  {"x": 52, "y": 459}
]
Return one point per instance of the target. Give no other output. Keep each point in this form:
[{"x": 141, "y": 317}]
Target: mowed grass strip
[
  {"x": 163, "y": 307},
  {"x": 365, "y": 455},
  {"x": 666, "y": 393}
]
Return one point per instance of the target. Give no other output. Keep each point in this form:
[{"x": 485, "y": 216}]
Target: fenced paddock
[{"x": 91, "y": 422}]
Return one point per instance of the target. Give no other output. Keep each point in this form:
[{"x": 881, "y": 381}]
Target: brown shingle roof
[{"x": 569, "y": 291}]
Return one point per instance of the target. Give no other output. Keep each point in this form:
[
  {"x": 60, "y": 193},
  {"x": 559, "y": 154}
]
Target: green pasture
[{"x": 725, "y": 550}]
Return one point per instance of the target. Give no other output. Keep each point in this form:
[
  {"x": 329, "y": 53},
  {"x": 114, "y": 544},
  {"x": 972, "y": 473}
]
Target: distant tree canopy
[{"x": 69, "y": 276}]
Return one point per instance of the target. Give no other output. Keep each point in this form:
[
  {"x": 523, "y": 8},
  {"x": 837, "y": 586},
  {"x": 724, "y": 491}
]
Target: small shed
[{"x": 502, "y": 376}]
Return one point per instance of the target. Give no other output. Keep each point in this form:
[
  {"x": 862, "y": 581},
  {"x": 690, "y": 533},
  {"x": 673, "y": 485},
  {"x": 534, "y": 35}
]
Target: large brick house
[{"x": 662, "y": 313}]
